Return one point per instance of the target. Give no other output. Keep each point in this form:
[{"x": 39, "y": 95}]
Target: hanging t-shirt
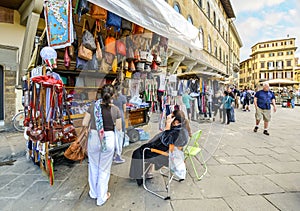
[{"x": 162, "y": 82}]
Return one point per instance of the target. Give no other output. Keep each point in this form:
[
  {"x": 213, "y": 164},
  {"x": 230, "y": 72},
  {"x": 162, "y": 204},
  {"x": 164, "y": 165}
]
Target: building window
[
  {"x": 288, "y": 75},
  {"x": 215, "y": 19},
  {"x": 270, "y": 75},
  {"x": 209, "y": 44},
  {"x": 177, "y": 8},
  {"x": 208, "y": 10},
  {"x": 279, "y": 64},
  {"x": 271, "y": 54},
  {"x": 262, "y": 64},
  {"x": 289, "y": 63},
  {"x": 262, "y": 55},
  {"x": 220, "y": 53},
  {"x": 271, "y": 65},
  {"x": 216, "y": 50},
  {"x": 279, "y": 74},
  {"x": 200, "y": 3},
  {"x": 280, "y": 54},
  {"x": 262, "y": 75},
  {"x": 189, "y": 19},
  {"x": 201, "y": 37}
]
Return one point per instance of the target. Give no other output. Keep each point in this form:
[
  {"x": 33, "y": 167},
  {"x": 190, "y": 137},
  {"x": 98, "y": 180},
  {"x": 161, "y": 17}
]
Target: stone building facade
[{"x": 273, "y": 59}]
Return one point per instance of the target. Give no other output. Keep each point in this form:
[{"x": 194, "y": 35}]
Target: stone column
[{"x": 30, "y": 14}]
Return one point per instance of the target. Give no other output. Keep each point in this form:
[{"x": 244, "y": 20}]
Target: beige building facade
[
  {"x": 274, "y": 59},
  {"x": 218, "y": 37}
]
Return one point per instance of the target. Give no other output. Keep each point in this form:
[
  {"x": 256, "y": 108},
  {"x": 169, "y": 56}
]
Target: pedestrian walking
[
  {"x": 262, "y": 102},
  {"x": 227, "y": 101}
]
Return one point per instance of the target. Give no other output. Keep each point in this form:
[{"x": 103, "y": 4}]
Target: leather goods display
[
  {"x": 85, "y": 53},
  {"x": 137, "y": 29},
  {"x": 98, "y": 51},
  {"x": 126, "y": 25},
  {"x": 104, "y": 67},
  {"x": 98, "y": 13},
  {"x": 88, "y": 40},
  {"x": 121, "y": 47},
  {"x": 110, "y": 45},
  {"x": 82, "y": 7},
  {"x": 109, "y": 58},
  {"x": 67, "y": 59},
  {"x": 78, "y": 148},
  {"x": 113, "y": 20}
]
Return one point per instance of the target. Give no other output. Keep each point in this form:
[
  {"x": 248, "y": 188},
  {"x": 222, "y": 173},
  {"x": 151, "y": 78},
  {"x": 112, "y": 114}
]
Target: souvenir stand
[{"x": 86, "y": 47}]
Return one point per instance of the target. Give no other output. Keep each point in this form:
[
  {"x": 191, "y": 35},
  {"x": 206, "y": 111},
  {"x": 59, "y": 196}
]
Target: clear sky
[{"x": 263, "y": 20}]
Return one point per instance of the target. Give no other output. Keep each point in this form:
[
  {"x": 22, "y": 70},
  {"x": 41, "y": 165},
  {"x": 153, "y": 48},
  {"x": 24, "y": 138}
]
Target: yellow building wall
[{"x": 12, "y": 34}]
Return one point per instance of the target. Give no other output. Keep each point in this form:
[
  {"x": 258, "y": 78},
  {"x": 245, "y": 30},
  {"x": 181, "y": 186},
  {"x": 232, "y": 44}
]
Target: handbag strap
[
  {"x": 66, "y": 105},
  {"x": 85, "y": 24}
]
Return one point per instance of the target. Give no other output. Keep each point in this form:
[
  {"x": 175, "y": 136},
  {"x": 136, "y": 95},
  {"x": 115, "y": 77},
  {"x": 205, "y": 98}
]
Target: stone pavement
[{"x": 246, "y": 171}]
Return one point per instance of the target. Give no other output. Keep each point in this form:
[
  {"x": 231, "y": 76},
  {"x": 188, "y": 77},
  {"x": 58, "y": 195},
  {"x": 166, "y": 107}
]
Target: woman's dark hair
[
  {"x": 226, "y": 93},
  {"x": 179, "y": 115},
  {"x": 107, "y": 92}
]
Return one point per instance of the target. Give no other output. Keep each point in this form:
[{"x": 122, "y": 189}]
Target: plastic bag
[{"x": 177, "y": 164}]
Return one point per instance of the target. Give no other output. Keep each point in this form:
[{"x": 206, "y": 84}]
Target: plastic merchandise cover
[{"x": 157, "y": 16}]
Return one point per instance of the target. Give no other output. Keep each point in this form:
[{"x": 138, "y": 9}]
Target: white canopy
[
  {"x": 157, "y": 16},
  {"x": 281, "y": 82}
]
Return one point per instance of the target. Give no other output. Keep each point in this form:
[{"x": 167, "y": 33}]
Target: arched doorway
[{"x": 1, "y": 93}]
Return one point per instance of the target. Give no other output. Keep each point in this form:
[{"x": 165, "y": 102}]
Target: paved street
[{"x": 246, "y": 171}]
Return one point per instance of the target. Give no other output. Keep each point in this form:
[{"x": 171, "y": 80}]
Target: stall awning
[{"x": 157, "y": 16}]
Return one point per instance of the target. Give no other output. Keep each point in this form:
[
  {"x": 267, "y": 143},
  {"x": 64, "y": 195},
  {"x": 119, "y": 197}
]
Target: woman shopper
[
  {"x": 227, "y": 101},
  {"x": 176, "y": 132},
  {"x": 104, "y": 117}
]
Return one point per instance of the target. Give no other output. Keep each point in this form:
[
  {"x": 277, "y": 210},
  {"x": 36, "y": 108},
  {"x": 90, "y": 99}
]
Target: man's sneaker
[
  {"x": 266, "y": 132},
  {"x": 255, "y": 129},
  {"x": 118, "y": 160}
]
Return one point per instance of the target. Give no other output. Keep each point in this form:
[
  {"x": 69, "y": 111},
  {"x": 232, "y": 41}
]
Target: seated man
[{"x": 176, "y": 132}]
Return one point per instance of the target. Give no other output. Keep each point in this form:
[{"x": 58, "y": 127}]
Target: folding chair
[
  {"x": 167, "y": 174},
  {"x": 195, "y": 152}
]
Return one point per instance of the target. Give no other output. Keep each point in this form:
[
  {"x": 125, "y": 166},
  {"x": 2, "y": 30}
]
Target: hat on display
[{"x": 49, "y": 55}]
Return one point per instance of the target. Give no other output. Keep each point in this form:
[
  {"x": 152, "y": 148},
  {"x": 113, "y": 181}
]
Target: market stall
[{"x": 85, "y": 47}]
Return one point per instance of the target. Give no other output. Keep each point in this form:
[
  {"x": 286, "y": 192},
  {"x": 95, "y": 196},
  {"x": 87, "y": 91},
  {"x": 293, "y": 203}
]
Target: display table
[{"x": 136, "y": 117}]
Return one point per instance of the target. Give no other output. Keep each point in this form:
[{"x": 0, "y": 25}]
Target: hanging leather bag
[
  {"x": 109, "y": 58},
  {"x": 67, "y": 59},
  {"x": 88, "y": 39},
  {"x": 77, "y": 150},
  {"x": 126, "y": 25},
  {"x": 121, "y": 47},
  {"x": 104, "y": 67},
  {"x": 137, "y": 29},
  {"x": 110, "y": 45},
  {"x": 113, "y": 20},
  {"x": 98, "y": 13}
]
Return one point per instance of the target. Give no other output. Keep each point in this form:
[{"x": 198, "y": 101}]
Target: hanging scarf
[{"x": 99, "y": 124}]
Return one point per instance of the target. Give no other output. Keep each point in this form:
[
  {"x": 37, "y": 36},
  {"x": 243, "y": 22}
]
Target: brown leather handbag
[
  {"x": 78, "y": 148},
  {"x": 85, "y": 53},
  {"x": 98, "y": 12}
]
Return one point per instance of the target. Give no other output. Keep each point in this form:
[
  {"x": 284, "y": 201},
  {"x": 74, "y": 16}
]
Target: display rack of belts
[{"x": 49, "y": 129}]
